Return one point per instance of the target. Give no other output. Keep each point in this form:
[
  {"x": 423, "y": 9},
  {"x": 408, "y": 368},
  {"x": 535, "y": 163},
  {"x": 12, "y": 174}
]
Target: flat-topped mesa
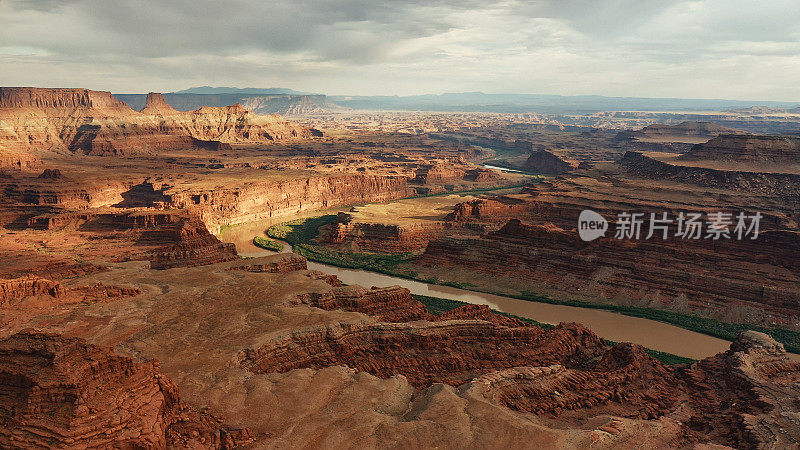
[
  {"x": 746, "y": 148},
  {"x": 29, "y": 97},
  {"x": 686, "y": 129}
]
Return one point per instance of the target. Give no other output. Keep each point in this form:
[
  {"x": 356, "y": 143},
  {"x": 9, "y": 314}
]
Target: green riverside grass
[
  {"x": 302, "y": 232},
  {"x": 268, "y": 244}
]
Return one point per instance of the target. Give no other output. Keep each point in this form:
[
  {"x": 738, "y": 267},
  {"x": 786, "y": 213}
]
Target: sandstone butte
[{"x": 95, "y": 123}]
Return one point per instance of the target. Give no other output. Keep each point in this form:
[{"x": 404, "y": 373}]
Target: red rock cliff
[{"x": 92, "y": 122}]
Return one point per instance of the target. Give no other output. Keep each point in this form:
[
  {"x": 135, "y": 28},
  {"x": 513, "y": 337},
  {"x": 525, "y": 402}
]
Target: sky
[{"x": 731, "y": 49}]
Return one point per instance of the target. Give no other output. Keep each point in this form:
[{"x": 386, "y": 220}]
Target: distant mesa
[
  {"x": 260, "y": 101},
  {"x": 246, "y": 91},
  {"x": 688, "y": 132},
  {"x": 688, "y": 129},
  {"x": 756, "y": 110},
  {"x": 745, "y": 148}
]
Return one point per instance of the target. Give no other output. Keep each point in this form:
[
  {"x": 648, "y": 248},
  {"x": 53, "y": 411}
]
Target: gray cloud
[{"x": 699, "y": 48}]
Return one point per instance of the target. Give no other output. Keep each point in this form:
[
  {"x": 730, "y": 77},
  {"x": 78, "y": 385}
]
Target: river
[
  {"x": 609, "y": 325},
  {"x": 502, "y": 169}
]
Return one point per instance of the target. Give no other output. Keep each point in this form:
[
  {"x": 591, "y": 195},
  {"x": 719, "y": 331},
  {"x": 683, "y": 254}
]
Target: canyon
[{"x": 128, "y": 317}]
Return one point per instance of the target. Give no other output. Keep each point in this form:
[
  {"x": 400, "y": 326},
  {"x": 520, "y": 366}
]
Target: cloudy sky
[{"x": 733, "y": 49}]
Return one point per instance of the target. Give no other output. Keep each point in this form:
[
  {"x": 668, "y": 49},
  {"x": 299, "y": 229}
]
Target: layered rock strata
[
  {"x": 193, "y": 246},
  {"x": 682, "y": 275},
  {"x": 62, "y": 392},
  {"x": 451, "y": 352},
  {"x": 262, "y": 200},
  {"x": 285, "y": 263},
  {"x": 28, "y": 286},
  {"x": 378, "y": 237},
  {"x": 566, "y": 372}
]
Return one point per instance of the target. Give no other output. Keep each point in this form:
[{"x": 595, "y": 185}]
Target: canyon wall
[
  {"x": 216, "y": 206},
  {"x": 732, "y": 280},
  {"x": 282, "y": 198}
]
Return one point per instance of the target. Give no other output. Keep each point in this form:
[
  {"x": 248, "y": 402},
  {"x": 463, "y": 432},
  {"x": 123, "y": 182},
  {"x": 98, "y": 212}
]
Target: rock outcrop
[
  {"x": 32, "y": 285},
  {"x": 62, "y": 392},
  {"x": 390, "y": 304},
  {"x": 490, "y": 207},
  {"x": 28, "y": 286},
  {"x": 191, "y": 245},
  {"x": 546, "y": 162},
  {"x": 378, "y": 237},
  {"x": 282, "y": 263},
  {"x": 439, "y": 172}
]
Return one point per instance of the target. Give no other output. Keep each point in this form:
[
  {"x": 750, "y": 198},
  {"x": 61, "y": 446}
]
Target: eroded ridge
[{"x": 566, "y": 372}]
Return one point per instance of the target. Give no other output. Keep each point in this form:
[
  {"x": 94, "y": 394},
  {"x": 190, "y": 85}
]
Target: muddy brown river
[{"x": 609, "y": 325}]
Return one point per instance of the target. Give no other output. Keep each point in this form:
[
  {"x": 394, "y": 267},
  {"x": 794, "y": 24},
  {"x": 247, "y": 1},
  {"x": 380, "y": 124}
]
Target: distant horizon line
[{"x": 300, "y": 93}]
